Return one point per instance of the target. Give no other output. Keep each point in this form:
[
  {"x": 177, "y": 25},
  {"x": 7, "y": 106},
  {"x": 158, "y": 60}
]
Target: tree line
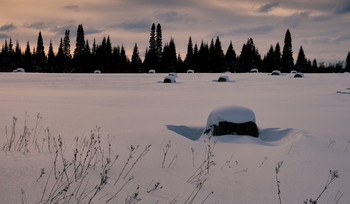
[{"x": 207, "y": 58}]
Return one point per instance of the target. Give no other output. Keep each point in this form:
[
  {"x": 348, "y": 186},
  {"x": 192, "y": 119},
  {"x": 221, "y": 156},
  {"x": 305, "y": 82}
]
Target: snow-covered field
[{"x": 303, "y": 122}]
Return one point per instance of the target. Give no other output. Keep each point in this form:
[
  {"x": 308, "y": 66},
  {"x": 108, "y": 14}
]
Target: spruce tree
[
  {"x": 124, "y": 61},
  {"x": 80, "y": 42},
  {"x": 151, "y": 60},
  {"x": 269, "y": 62},
  {"x": 189, "y": 55},
  {"x": 51, "y": 59},
  {"x": 79, "y": 50},
  {"x": 87, "y": 58},
  {"x": 230, "y": 58},
  {"x": 60, "y": 59},
  {"x": 18, "y": 57},
  {"x": 159, "y": 43},
  {"x": 66, "y": 45},
  {"x": 40, "y": 57},
  {"x": 249, "y": 57},
  {"x": 277, "y": 57},
  {"x": 28, "y": 59},
  {"x": 218, "y": 57},
  {"x": 301, "y": 63},
  {"x": 136, "y": 62},
  {"x": 4, "y": 56},
  {"x": 314, "y": 66},
  {"x": 287, "y": 61},
  {"x": 347, "y": 61},
  {"x": 203, "y": 58},
  {"x": 211, "y": 63}
]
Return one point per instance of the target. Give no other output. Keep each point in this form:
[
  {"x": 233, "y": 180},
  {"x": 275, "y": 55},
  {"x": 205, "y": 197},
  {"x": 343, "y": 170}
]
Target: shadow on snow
[{"x": 267, "y": 136}]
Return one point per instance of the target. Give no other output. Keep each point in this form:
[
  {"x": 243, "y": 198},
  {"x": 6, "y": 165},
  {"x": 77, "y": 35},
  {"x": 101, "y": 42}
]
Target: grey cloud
[
  {"x": 37, "y": 25},
  {"x": 173, "y": 16},
  {"x": 295, "y": 20},
  {"x": 7, "y": 27},
  {"x": 342, "y": 38},
  {"x": 257, "y": 30},
  {"x": 254, "y": 30},
  {"x": 342, "y": 8},
  {"x": 4, "y": 36},
  {"x": 267, "y": 7},
  {"x": 71, "y": 7},
  {"x": 134, "y": 24},
  {"x": 90, "y": 31}
]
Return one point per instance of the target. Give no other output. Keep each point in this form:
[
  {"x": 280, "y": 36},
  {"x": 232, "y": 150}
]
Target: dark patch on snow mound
[{"x": 230, "y": 128}]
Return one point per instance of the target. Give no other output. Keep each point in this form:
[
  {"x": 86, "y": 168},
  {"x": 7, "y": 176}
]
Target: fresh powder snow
[{"x": 303, "y": 123}]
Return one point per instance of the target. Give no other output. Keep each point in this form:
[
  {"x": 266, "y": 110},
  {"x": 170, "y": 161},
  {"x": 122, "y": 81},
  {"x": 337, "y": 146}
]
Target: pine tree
[
  {"x": 159, "y": 44},
  {"x": 60, "y": 59},
  {"x": 80, "y": 42},
  {"x": 87, "y": 58},
  {"x": 4, "y": 57},
  {"x": 347, "y": 61},
  {"x": 79, "y": 50},
  {"x": 269, "y": 61},
  {"x": 203, "y": 56},
  {"x": 249, "y": 58},
  {"x": 151, "y": 59},
  {"x": 28, "y": 59},
  {"x": 169, "y": 60},
  {"x": 124, "y": 61},
  {"x": 277, "y": 57},
  {"x": 40, "y": 57},
  {"x": 51, "y": 59},
  {"x": 230, "y": 58},
  {"x": 314, "y": 66},
  {"x": 301, "y": 63},
  {"x": 218, "y": 57},
  {"x": 136, "y": 62},
  {"x": 287, "y": 61},
  {"x": 66, "y": 45},
  {"x": 189, "y": 56},
  {"x": 18, "y": 57}
]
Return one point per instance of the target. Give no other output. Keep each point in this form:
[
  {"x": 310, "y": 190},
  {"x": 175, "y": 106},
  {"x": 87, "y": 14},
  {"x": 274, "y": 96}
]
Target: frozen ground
[{"x": 303, "y": 122}]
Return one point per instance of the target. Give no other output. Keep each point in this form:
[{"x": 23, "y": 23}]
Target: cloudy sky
[{"x": 322, "y": 27}]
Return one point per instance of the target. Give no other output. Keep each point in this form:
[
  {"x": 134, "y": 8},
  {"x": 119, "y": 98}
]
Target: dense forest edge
[{"x": 205, "y": 58}]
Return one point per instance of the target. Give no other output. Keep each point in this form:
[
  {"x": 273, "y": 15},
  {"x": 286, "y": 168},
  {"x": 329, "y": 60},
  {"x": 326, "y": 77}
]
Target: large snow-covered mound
[
  {"x": 234, "y": 114},
  {"x": 235, "y": 120}
]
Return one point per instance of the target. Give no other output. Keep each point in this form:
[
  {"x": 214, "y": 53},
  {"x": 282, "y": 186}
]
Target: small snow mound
[
  {"x": 223, "y": 79},
  {"x": 169, "y": 79}
]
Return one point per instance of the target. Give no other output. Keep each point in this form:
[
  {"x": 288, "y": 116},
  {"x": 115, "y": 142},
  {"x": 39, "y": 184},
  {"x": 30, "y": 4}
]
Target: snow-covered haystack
[
  {"x": 254, "y": 70},
  {"x": 190, "y": 71},
  {"x": 298, "y": 75},
  {"x": 276, "y": 72},
  {"x": 173, "y": 74},
  {"x": 169, "y": 79},
  {"x": 97, "y": 72},
  {"x": 151, "y": 71},
  {"x": 19, "y": 70},
  {"x": 232, "y": 120},
  {"x": 223, "y": 79}
]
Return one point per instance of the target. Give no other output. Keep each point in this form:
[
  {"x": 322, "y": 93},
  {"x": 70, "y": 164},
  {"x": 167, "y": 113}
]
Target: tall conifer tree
[
  {"x": 159, "y": 43},
  {"x": 136, "y": 62},
  {"x": 347, "y": 61},
  {"x": 40, "y": 57},
  {"x": 287, "y": 61},
  {"x": 301, "y": 63},
  {"x": 230, "y": 58}
]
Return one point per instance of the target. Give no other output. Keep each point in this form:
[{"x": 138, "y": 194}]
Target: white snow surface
[
  {"x": 303, "y": 122},
  {"x": 234, "y": 114}
]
